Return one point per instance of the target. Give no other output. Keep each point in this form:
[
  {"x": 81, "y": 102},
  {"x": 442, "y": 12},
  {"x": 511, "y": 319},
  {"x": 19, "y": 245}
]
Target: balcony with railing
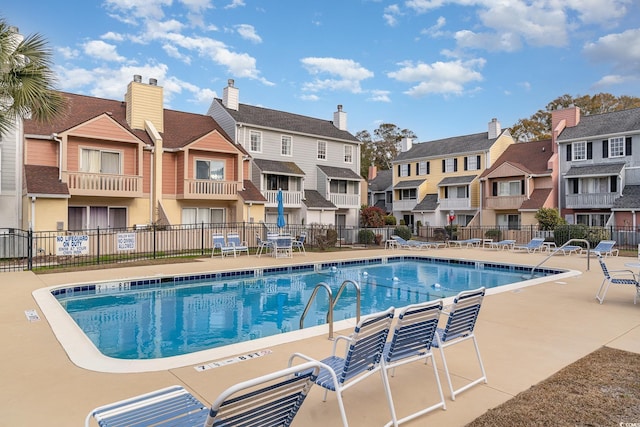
[
  {"x": 504, "y": 202},
  {"x": 208, "y": 189},
  {"x": 342, "y": 200},
  {"x": 461, "y": 203},
  {"x": 404, "y": 205},
  {"x": 103, "y": 185},
  {"x": 290, "y": 199},
  {"x": 590, "y": 200}
]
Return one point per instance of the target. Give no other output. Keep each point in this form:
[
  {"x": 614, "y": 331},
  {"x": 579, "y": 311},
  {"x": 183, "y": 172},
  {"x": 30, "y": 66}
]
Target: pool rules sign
[{"x": 72, "y": 245}]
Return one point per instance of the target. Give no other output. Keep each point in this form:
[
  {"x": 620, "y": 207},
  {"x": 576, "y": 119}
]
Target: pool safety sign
[
  {"x": 126, "y": 241},
  {"x": 236, "y": 359},
  {"x": 72, "y": 245}
]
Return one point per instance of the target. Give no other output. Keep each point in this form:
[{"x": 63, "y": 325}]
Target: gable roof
[
  {"x": 278, "y": 167},
  {"x": 180, "y": 128},
  {"x": 44, "y": 180},
  {"x": 274, "y": 119},
  {"x": 339, "y": 173},
  {"x": 429, "y": 203},
  {"x": 314, "y": 200},
  {"x": 537, "y": 199},
  {"x": 382, "y": 181},
  {"x": 530, "y": 157},
  {"x": 473, "y": 143},
  {"x": 630, "y": 198},
  {"x": 600, "y": 125},
  {"x": 604, "y": 169}
]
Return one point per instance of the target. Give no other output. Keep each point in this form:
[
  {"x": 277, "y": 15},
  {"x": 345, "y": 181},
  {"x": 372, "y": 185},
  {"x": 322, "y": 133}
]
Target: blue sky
[{"x": 440, "y": 68}]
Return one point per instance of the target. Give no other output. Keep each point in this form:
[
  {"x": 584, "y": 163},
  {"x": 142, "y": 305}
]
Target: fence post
[
  {"x": 30, "y": 250},
  {"x": 98, "y": 250},
  {"x": 154, "y": 240},
  {"x": 202, "y": 238}
]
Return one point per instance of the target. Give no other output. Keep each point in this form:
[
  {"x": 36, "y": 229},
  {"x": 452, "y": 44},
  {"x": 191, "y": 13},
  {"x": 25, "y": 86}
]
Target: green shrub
[
  {"x": 494, "y": 234},
  {"x": 390, "y": 220},
  {"x": 403, "y": 231},
  {"x": 366, "y": 237}
]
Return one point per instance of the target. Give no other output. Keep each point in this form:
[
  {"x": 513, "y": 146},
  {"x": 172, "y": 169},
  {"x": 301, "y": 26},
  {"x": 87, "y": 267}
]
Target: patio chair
[
  {"x": 220, "y": 244},
  {"x": 534, "y": 244},
  {"x": 410, "y": 244},
  {"x": 460, "y": 324},
  {"x": 411, "y": 341},
  {"x": 233, "y": 239},
  {"x": 569, "y": 249},
  {"x": 616, "y": 277},
  {"x": 283, "y": 246},
  {"x": 263, "y": 246},
  {"x": 361, "y": 360},
  {"x": 604, "y": 248},
  {"x": 502, "y": 244},
  {"x": 272, "y": 399},
  {"x": 469, "y": 243},
  {"x": 299, "y": 243}
]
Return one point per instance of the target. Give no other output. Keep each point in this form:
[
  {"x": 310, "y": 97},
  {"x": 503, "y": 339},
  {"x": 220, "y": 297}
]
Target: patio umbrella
[{"x": 281, "y": 221}]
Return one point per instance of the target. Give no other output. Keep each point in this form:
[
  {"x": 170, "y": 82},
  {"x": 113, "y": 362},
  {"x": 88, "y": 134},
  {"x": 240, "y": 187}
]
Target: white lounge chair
[
  {"x": 462, "y": 317},
  {"x": 361, "y": 360},
  {"x": 272, "y": 399},
  {"x": 469, "y": 243},
  {"x": 604, "y": 248},
  {"x": 502, "y": 244},
  {"x": 534, "y": 245}
]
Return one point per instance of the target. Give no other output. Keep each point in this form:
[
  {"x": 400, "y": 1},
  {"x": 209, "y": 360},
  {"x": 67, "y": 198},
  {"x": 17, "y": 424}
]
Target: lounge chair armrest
[
  {"x": 341, "y": 338},
  {"x": 617, "y": 273}
]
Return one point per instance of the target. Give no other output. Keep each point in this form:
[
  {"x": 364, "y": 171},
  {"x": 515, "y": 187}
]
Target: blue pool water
[{"x": 168, "y": 316}]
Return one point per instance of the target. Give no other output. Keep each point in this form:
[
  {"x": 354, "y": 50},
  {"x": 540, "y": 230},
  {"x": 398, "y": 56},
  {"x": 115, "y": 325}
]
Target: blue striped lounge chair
[
  {"x": 534, "y": 245},
  {"x": 361, "y": 360},
  {"x": 272, "y": 399},
  {"x": 469, "y": 243},
  {"x": 604, "y": 248},
  {"x": 502, "y": 244},
  {"x": 233, "y": 239},
  {"x": 461, "y": 321},
  {"x": 220, "y": 246},
  {"x": 411, "y": 341},
  {"x": 411, "y": 244},
  {"x": 616, "y": 277}
]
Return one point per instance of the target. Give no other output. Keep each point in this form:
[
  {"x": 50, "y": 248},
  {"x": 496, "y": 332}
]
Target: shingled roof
[
  {"x": 473, "y": 143},
  {"x": 604, "y": 169},
  {"x": 382, "y": 181},
  {"x": 630, "y": 199},
  {"x": 530, "y": 157},
  {"x": 251, "y": 193},
  {"x": 339, "y": 173},
  {"x": 314, "y": 200},
  {"x": 278, "y": 167},
  {"x": 429, "y": 203},
  {"x": 601, "y": 125},
  {"x": 44, "y": 180},
  {"x": 180, "y": 128},
  {"x": 274, "y": 119}
]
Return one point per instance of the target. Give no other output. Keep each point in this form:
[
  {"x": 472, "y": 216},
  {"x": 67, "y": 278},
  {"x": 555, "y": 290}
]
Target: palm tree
[{"x": 26, "y": 79}]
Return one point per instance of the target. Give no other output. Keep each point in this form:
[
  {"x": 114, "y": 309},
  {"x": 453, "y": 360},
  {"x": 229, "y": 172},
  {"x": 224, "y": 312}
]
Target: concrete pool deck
[{"x": 525, "y": 335}]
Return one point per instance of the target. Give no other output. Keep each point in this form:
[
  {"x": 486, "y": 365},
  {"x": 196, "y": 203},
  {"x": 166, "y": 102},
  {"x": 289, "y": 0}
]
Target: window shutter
[
  {"x": 522, "y": 187},
  {"x": 478, "y": 162},
  {"x": 455, "y": 165},
  {"x": 446, "y": 192},
  {"x": 409, "y": 169},
  {"x": 399, "y": 170},
  {"x": 494, "y": 190},
  {"x": 614, "y": 184},
  {"x": 444, "y": 164},
  {"x": 589, "y": 150},
  {"x": 417, "y": 168},
  {"x": 428, "y": 168},
  {"x": 574, "y": 183},
  {"x": 627, "y": 146},
  {"x": 568, "y": 152},
  {"x": 605, "y": 149},
  {"x": 466, "y": 191},
  {"x": 466, "y": 165}
]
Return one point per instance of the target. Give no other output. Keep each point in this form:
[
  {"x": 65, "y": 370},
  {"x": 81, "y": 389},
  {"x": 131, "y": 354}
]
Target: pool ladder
[{"x": 332, "y": 302}]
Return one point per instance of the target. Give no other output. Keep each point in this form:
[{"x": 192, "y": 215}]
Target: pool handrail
[
  {"x": 329, "y": 314},
  {"x": 357, "y": 286},
  {"x": 561, "y": 248}
]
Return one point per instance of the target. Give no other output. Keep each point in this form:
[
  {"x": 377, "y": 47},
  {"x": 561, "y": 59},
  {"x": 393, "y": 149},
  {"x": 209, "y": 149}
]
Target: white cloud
[
  {"x": 124, "y": 10},
  {"x": 68, "y": 53},
  {"x": 115, "y": 37},
  {"x": 309, "y": 97},
  {"x": 379, "y": 96},
  {"x": 348, "y": 72},
  {"x": 621, "y": 50},
  {"x": 507, "y": 42},
  {"x": 391, "y": 14},
  {"x": 599, "y": 11},
  {"x": 248, "y": 32},
  {"x": 101, "y": 50},
  {"x": 439, "y": 77},
  {"x": 234, "y": 4},
  {"x": 423, "y": 6},
  {"x": 434, "y": 30}
]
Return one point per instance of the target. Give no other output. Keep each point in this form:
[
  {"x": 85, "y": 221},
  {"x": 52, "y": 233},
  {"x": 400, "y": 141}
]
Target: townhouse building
[
  {"x": 437, "y": 182},
  {"x": 380, "y": 189},
  {"x": 113, "y": 164},
  {"x": 521, "y": 181},
  {"x": 11, "y": 178},
  {"x": 599, "y": 168},
  {"x": 314, "y": 162}
]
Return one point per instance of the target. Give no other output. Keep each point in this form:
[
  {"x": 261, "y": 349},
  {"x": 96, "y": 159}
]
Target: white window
[
  {"x": 338, "y": 186},
  {"x": 511, "y": 221},
  {"x": 322, "y": 150},
  {"x": 92, "y": 217},
  {"x": 423, "y": 168},
  {"x": 593, "y": 219},
  {"x": 408, "y": 194},
  {"x": 98, "y": 161},
  {"x": 579, "y": 150},
  {"x": 509, "y": 188},
  {"x": 449, "y": 165},
  {"x": 472, "y": 163},
  {"x": 210, "y": 169},
  {"x": 199, "y": 215},
  {"x": 616, "y": 147},
  {"x": 348, "y": 154},
  {"x": 404, "y": 170},
  {"x": 256, "y": 141},
  {"x": 286, "y": 146}
]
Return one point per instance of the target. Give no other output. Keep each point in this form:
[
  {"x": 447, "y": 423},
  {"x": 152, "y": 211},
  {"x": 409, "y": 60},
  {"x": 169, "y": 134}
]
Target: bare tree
[{"x": 383, "y": 147}]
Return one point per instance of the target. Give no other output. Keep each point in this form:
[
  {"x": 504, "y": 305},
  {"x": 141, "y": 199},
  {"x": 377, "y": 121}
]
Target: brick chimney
[
  {"x": 144, "y": 102},
  {"x": 231, "y": 96},
  {"x": 373, "y": 172},
  {"x": 562, "y": 118},
  {"x": 494, "y": 128},
  {"x": 340, "y": 119}
]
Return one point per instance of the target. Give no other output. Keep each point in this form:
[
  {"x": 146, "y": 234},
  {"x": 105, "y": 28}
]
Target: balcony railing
[
  {"x": 345, "y": 200},
  {"x": 97, "y": 184},
  {"x": 207, "y": 189},
  {"x": 290, "y": 199},
  {"x": 590, "y": 200},
  {"x": 504, "y": 202},
  {"x": 455, "y": 203},
  {"x": 404, "y": 205}
]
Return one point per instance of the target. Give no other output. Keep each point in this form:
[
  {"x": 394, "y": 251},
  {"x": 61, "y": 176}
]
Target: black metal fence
[{"x": 28, "y": 250}]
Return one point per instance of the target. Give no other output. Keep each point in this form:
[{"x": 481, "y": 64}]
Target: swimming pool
[{"x": 216, "y": 310}]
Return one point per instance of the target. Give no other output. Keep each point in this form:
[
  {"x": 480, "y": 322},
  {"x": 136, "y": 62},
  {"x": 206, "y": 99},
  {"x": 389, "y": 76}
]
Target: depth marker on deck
[
  {"x": 32, "y": 315},
  {"x": 219, "y": 363}
]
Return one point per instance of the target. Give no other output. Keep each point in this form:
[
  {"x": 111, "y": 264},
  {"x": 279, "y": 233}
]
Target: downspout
[
  {"x": 33, "y": 213},
  {"x": 151, "y": 182},
  {"x": 54, "y": 136}
]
